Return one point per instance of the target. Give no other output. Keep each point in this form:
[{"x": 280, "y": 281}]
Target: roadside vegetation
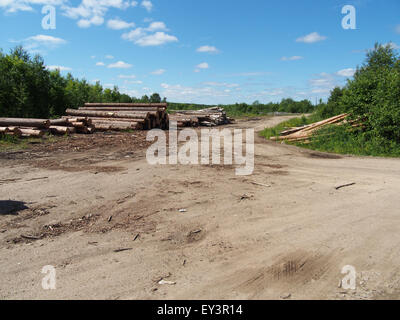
[{"x": 372, "y": 99}]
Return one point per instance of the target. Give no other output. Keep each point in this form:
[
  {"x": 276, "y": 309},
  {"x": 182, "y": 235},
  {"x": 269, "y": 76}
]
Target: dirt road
[{"x": 236, "y": 240}]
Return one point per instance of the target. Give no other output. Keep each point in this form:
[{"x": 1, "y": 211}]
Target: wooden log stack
[
  {"x": 209, "y": 117},
  {"x": 303, "y": 134},
  {"x": 21, "y": 127},
  {"x": 123, "y": 116}
]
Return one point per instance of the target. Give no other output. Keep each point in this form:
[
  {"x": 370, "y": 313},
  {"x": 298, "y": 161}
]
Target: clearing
[{"x": 111, "y": 224}]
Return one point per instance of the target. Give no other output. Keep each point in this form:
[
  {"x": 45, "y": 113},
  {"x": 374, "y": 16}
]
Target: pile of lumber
[
  {"x": 209, "y": 117},
  {"x": 305, "y": 132},
  {"x": 67, "y": 125},
  {"x": 24, "y": 127},
  {"x": 123, "y": 116}
]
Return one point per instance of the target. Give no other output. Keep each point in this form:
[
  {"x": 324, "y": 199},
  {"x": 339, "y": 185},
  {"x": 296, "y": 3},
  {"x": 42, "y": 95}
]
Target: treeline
[
  {"x": 372, "y": 96},
  {"x": 256, "y": 108},
  {"x": 29, "y": 90}
]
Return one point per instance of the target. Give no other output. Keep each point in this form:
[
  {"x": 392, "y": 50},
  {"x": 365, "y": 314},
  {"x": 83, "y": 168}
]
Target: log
[
  {"x": 58, "y": 122},
  {"x": 22, "y": 122},
  {"x": 117, "y": 123},
  {"x": 77, "y": 124},
  {"x": 118, "y": 120},
  {"x": 4, "y": 130},
  {"x": 105, "y": 114},
  {"x": 62, "y": 130},
  {"x": 31, "y": 133},
  {"x": 131, "y": 105},
  {"x": 122, "y": 109},
  {"x": 114, "y": 126},
  {"x": 306, "y": 131}
]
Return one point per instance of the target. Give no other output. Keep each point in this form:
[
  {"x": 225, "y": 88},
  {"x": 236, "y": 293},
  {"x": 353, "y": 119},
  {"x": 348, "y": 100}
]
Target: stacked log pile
[
  {"x": 305, "y": 132},
  {"x": 123, "y": 116},
  {"x": 209, "y": 117},
  {"x": 24, "y": 127}
]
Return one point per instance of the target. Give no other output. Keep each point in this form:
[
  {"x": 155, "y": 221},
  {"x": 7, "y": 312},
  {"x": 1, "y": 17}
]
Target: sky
[{"x": 208, "y": 51}]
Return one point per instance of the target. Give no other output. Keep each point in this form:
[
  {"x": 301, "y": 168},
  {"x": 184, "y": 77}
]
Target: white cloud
[
  {"x": 147, "y": 5},
  {"x": 208, "y": 49},
  {"x": 109, "y": 56},
  {"x": 133, "y": 82},
  {"x": 120, "y": 65},
  {"x": 203, "y": 65},
  {"x": 45, "y": 39},
  {"x": 92, "y": 12},
  {"x": 61, "y": 68},
  {"x": 12, "y": 6},
  {"x": 134, "y": 35},
  {"x": 92, "y": 57},
  {"x": 397, "y": 29},
  {"x": 349, "y": 72},
  {"x": 118, "y": 24},
  {"x": 86, "y": 23},
  {"x": 123, "y": 76},
  {"x": 100, "y": 64},
  {"x": 40, "y": 43},
  {"x": 141, "y": 38},
  {"x": 157, "y": 39},
  {"x": 158, "y": 72},
  {"x": 134, "y": 4},
  {"x": 221, "y": 84},
  {"x": 182, "y": 93},
  {"x": 157, "y": 25},
  {"x": 293, "y": 58},
  {"x": 311, "y": 38}
]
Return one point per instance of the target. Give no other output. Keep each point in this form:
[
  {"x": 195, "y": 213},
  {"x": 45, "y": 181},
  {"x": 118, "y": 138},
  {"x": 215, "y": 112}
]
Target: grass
[
  {"x": 339, "y": 139},
  {"x": 295, "y": 122},
  {"x": 12, "y": 143}
]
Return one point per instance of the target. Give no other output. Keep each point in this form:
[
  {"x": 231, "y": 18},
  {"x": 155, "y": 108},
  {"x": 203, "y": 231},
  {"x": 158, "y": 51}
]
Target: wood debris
[
  {"x": 305, "y": 132},
  {"x": 209, "y": 117}
]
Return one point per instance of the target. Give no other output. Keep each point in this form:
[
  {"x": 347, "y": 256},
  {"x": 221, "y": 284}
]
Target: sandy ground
[{"x": 75, "y": 209}]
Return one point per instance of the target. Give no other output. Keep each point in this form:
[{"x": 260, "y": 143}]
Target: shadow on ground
[{"x": 11, "y": 207}]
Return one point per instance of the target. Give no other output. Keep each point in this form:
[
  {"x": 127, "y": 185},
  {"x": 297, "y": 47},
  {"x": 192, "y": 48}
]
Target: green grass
[
  {"x": 346, "y": 140},
  {"x": 339, "y": 139},
  {"x": 11, "y": 143},
  {"x": 295, "y": 122}
]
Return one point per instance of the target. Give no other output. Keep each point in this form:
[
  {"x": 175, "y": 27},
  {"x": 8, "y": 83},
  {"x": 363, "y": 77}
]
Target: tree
[
  {"x": 155, "y": 98},
  {"x": 374, "y": 93}
]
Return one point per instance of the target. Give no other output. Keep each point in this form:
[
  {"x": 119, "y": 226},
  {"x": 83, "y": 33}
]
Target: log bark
[
  {"x": 4, "y": 129},
  {"x": 131, "y": 105},
  {"x": 105, "y": 114},
  {"x": 122, "y": 109},
  {"x": 118, "y": 120},
  {"x": 114, "y": 126},
  {"x": 59, "y": 122},
  {"x": 22, "y": 122},
  {"x": 62, "y": 130},
  {"x": 31, "y": 133}
]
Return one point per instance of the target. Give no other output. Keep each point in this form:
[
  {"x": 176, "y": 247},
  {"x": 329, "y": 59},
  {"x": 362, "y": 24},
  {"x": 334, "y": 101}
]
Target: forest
[{"x": 29, "y": 90}]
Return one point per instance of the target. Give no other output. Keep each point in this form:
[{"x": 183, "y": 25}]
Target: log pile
[
  {"x": 209, "y": 117},
  {"x": 123, "y": 116},
  {"x": 21, "y": 127},
  {"x": 305, "y": 132}
]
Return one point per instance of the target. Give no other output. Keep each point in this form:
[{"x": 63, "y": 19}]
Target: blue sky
[{"x": 204, "y": 51}]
